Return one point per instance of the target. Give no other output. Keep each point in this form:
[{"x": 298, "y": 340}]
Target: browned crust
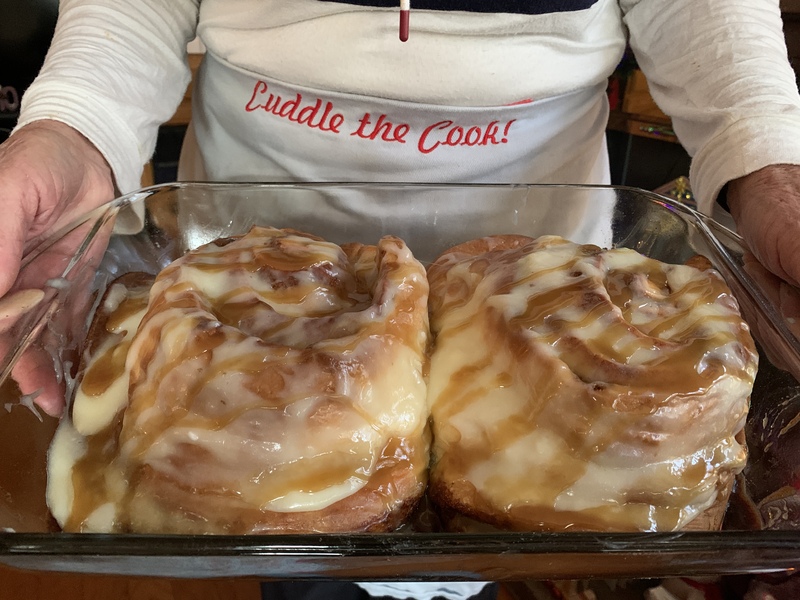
[
  {"x": 461, "y": 508},
  {"x": 485, "y": 245},
  {"x": 491, "y": 243},
  {"x": 385, "y": 503},
  {"x": 461, "y": 505},
  {"x": 160, "y": 505},
  {"x": 500, "y": 243},
  {"x": 712, "y": 518},
  {"x": 699, "y": 262}
]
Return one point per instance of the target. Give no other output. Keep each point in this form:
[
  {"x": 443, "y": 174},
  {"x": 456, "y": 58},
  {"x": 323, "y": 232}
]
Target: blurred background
[{"x": 26, "y": 27}]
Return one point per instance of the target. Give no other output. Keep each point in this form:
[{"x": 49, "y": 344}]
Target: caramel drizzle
[
  {"x": 217, "y": 313},
  {"x": 568, "y": 349}
]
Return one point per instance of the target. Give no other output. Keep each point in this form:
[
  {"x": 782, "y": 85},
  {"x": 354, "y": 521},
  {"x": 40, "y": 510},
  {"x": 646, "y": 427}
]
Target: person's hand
[
  {"x": 766, "y": 208},
  {"x": 49, "y": 173}
]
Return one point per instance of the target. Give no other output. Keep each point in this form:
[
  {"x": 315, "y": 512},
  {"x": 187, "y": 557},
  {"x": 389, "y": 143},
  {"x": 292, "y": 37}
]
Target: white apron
[{"x": 247, "y": 127}]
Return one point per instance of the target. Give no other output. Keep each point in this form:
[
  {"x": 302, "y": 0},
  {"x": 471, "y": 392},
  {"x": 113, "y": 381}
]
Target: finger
[
  {"x": 37, "y": 380},
  {"x": 787, "y": 255},
  {"x": 34, "y": 371},
  {"x": 14, "y": 306},
  {"x": 784, "y": 296}
]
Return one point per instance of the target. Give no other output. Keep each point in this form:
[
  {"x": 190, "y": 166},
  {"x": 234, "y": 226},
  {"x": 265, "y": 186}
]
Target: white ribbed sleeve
[
  {"x": 115, "y": 71},
  {"x": 719, "y": 68}
]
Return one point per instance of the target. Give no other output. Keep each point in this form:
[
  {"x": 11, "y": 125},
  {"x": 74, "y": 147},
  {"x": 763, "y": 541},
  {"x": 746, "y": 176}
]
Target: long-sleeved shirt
[{"x": 116, "y": 70}]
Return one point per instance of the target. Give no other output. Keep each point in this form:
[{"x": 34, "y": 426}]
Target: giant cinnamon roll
[
  {"x": 270, "y": 382},
  {"x": 576, "y": 388}
]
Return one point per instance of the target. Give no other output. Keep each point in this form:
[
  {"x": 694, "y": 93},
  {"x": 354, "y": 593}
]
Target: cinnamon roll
[
  {"x": 271, "y": 382},
  {"x": 578, "y": 388}
]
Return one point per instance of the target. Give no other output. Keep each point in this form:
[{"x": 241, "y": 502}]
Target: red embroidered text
[
  {"x": 382, "y": 129},
  {"x": 447, "y": 133},
  {"x": 318, "y": 115}
]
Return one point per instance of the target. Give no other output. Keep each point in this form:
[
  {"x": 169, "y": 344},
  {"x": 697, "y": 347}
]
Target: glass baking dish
[{"x": 63, "y": 275}]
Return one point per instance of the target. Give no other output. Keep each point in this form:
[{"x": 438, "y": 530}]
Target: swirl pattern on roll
[
  {"x": 579, "y": 388},
  {"x": 270, "y": 382}
]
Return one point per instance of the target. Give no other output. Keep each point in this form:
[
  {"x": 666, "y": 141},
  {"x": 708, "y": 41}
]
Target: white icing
[
  {"x": 67, "y": 447},
  {"x": 523, "y": 411},
  {"x": 291, "y": 408}
]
